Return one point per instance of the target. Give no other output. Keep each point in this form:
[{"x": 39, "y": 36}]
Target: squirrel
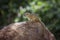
[{"x": 32, "y": 17}]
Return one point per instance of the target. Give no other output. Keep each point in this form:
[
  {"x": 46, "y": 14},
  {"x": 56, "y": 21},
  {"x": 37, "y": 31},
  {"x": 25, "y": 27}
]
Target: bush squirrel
[{"x": 32, "y": 17}]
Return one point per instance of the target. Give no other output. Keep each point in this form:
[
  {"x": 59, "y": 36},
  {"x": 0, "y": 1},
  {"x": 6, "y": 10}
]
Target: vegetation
[{"x": 49, "y": 10}]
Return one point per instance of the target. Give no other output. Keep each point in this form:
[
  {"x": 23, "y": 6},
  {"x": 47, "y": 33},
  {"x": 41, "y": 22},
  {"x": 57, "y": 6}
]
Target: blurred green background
[{"x": 12, "y": 11}]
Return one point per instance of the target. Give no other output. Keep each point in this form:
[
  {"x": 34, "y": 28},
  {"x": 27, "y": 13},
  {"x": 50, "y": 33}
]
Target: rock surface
[{"x": 26, "y": 31}]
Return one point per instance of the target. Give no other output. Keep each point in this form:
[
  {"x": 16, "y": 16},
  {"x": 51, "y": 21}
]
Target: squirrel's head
[{"x": 27, "y": 14}]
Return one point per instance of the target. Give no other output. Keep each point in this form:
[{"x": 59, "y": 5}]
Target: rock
[{"x": 26, "y": 31}]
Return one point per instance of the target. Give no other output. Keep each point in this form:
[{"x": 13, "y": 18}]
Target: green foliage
[{"x": 12, "y": 11}]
